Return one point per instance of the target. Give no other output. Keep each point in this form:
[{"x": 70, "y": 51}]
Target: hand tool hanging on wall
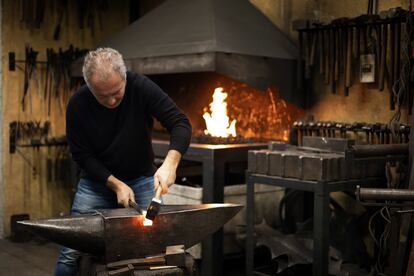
[
  {"x": 407, "y": 60},
  {"x": 342, "y": 34},
  {"x": 383, "y": 58},
  {"x": 377, "y": 31},
  {"x": 357, "y": 46},
  {"x": 29, "y": 68},
  {"x": 86, "y": 10},
  {"x": 321, "y": 46},
  {"x": 327, "y": 37},
  {"x": 58, "y": 83},
  {"x": 89, "y": 12},
  {"x": 397, "y": 59},
  {"x": 313, "y": 38},
  {"x": 300, "y": 61},
  {"x": 81, "y": 8},
  {"x": 57, "y": 80},
  {"x": 341, "y": 50},
  {"x": 299, "y": 25},
  {"x": 32, "y": 12},
  {"x": 369, "y": 48},
  {"x": 24, "y": 131},
  {"x": 361, "y": 41},
  {"x": 332, "y": 58},
  {"x": 27, "y": 12},
  {"x": 307, "y": 42},
  {"x": 47, "y": 77},
  {"x": 402, "y": 63},
  {"x": 62, "y": 9},
  {"x": 367, "y": 133},
  {"x": 349, "y": 33},
  {"x": 50, "y": 77},
  {"x": 40, "y": 12},
  {"x": 391, "y": 80},
  {"x": 335, "y": 54},
  {"x": 395, "y": 16}
]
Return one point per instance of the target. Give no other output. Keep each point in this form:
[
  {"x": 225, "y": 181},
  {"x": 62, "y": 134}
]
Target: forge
[{"x": 260, "y": 114}]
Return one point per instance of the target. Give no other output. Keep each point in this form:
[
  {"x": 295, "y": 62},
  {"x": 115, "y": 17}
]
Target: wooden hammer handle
[{"x": 158, "y": 192}]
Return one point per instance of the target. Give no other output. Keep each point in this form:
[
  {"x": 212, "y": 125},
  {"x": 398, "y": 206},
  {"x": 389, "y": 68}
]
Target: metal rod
[
  {"x": 379, "y": 150},
  {"x": 385, "y": 194}
]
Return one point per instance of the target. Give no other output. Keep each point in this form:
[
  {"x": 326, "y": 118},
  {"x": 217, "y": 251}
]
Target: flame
[
  {"x": 218, "y": 122},
  {"x": 146, "y": 222}
]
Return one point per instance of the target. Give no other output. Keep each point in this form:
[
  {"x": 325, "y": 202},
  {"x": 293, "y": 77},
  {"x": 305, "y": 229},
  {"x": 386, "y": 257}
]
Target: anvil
[{"x": 119, "y": 234}]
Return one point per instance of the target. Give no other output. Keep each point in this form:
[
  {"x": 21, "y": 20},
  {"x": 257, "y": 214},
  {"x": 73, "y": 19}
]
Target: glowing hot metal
[{"x": 146, "y": 222}]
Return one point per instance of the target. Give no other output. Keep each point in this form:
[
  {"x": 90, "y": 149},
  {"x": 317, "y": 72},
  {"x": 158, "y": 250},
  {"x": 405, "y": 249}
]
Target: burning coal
[{"x": 259, "y": 114}]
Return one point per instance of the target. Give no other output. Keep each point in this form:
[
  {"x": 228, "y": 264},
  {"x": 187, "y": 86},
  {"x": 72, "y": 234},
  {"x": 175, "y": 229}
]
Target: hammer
[
  {"x": 134, "y": 205},
  {"x": 154, "y": 207}
]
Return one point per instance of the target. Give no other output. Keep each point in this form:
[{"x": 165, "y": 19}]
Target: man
[{"x": 108, "y": 127}]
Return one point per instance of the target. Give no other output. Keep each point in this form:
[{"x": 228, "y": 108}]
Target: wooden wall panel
[{"x": 24, "y": 192}]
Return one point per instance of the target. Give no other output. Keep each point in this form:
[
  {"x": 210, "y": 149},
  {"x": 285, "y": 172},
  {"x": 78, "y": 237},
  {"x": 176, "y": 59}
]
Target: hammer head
[{"x": 153, "y": 209}]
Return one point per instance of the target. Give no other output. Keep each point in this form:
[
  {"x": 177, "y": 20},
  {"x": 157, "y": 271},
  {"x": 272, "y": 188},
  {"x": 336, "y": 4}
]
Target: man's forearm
[
  {"x": 124, "y": 193},
  {"x": 114, "y": 183},
  {"x": 172, "y": 159}
]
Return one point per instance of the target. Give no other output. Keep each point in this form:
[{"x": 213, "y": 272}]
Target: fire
[{"x": 218, "y": 122}]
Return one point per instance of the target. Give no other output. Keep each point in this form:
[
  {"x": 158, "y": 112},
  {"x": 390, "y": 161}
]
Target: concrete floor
[
  {"x": 33, "y": 258},
  {"x": 37, "y": 258}
]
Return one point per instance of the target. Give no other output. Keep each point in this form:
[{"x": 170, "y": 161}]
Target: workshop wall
[
  {"x": 22, "y": 190},
  {"x": 365, "y": 102}
]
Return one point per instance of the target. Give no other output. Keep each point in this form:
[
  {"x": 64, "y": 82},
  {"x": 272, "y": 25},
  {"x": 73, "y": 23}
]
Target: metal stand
[
  {"x": 214, "y": 159},
  {"x": 321, "y": 212}
]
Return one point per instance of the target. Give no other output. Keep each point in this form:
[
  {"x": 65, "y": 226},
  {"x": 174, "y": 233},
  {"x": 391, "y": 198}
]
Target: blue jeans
[{"x": 91, "y": 196}]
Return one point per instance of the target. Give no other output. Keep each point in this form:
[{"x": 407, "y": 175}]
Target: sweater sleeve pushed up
[{"x": 162, "y": 107}]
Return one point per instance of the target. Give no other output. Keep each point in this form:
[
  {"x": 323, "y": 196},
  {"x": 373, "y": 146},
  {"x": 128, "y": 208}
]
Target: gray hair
[{"x": 101, "y": 63}]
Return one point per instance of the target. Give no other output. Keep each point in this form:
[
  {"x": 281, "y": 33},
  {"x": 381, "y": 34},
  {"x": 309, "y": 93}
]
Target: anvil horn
[
  {"x": 120, "y": 233},
  {"x": 83, "y": 232}
]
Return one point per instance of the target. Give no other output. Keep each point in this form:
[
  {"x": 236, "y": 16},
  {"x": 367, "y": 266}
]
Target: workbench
[
  {"x": 321, "y": 212},
  {"x": 214, "y": 159}
]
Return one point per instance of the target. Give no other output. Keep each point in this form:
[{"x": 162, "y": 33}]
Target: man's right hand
[{"x": 123, "y": 192}]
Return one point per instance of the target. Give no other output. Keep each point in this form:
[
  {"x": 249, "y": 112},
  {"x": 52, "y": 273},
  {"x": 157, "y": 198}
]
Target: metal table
[
  {"x": 214, "y": 159},
  {"x": 321, "y": 212}
]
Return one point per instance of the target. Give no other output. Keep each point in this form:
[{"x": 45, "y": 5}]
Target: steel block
[
  {"x": 251, "y": 160},
  {"x": 276, "y": 163},
  {"x": 333, "y": 144},
  {"x": 277, "y": 145},
  {"x": 262, "y": 161},
  {"x": 292, "y": 164}
]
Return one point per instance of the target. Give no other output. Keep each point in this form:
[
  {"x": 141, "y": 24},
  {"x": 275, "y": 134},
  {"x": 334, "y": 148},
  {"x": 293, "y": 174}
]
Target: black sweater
[{"x": 117, "y": 141}]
